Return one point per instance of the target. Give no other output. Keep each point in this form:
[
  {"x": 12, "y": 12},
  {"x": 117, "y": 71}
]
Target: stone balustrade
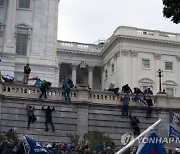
[
  {"x": 81, "y": 94},
  {"x": 79, "y": 46}
]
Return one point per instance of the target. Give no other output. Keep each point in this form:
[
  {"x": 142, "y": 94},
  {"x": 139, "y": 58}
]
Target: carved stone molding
[
  {"x": 116, "y": 55},
  {"x": 108, "y": 63},
  {"x": 157, "y": 56},
  {"x": 74, "y": 66},
  {"x": 134, "y": 53},
  {"x": 125, "y": 52}
]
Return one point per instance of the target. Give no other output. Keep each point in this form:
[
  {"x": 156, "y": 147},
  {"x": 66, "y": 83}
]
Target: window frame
[
  {"x": 166, "y": 62},
  {"x": 22, "y": 44},
  {"x": 144, "y": 66},
  {"x": 21, "y": 7},
  {"x": 167, "y": 91}
]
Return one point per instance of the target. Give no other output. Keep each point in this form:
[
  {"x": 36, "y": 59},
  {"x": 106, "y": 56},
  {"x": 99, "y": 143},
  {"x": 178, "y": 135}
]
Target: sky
[{"x": 87, "y": 21}]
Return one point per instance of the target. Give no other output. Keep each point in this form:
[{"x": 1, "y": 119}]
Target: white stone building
[{"x": 28, "y": 34}]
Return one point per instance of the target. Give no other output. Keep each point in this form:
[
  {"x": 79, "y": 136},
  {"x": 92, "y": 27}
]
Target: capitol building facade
[{"x": 28, "y": 34}]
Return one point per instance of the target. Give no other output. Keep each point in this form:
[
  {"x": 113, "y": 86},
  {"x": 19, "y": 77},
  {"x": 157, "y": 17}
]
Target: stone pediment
[{"x": 23, "y": 25}]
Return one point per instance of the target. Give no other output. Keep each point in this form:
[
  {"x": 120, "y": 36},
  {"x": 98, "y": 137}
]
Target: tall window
[
  {"x": 21, "y": 44},
  {"x": 24, "y": 4},
  {"x": 169, "y": 66},
  {"x": 146, "y": 63},
  {"x": 1, "y": 2},
  {"x": 170, "y": 91}
]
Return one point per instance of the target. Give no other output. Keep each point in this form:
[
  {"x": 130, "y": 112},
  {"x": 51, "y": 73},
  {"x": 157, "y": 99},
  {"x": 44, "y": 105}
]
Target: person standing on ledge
[
  {"x": 48, "y": 115},
  {"x": 27, "y": 71}
]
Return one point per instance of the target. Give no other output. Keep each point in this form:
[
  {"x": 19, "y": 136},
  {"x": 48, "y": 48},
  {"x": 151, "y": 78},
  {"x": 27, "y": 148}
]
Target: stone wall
[{"x": 88, "y": 111}]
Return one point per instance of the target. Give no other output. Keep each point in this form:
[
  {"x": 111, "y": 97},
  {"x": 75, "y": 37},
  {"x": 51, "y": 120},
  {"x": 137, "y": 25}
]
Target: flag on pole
[
  {"x": 34, "y": 147},
  {"x": 151, "y": 145},
  {"x": 174, "y": 125}
]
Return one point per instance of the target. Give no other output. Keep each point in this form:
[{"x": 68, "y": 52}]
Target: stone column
[
  {"x": 74, "y": 68},
  {"x": 9, "y": 46},
  {"x": 90, "y": 76}
]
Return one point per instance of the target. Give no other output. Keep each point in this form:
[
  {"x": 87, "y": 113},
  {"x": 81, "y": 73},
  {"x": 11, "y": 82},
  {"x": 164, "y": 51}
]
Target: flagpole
[{"x": 138, "y": 137}]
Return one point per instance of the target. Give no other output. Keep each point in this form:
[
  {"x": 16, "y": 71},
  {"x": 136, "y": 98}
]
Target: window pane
[
  {"x": 146, "y": 63},
  {"x": 1, "y": 2},
  {"x": 168, "y": 66},
  {"x": 170, "y": 91},
  {"x": 21, "y": 44},
  {"x": 24, "y": 3}
]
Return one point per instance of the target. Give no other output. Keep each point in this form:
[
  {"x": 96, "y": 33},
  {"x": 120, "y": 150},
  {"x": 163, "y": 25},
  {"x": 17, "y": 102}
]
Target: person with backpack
[
  {"x": 30, "y": 114},
  {"x": 45, "y": 85},
  {"x": 27, "y": 71},
  {"x": 67, "y": 89}
]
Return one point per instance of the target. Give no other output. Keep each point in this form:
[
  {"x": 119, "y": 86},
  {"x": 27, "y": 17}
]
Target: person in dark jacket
[
  {"x": 149, "y": 103},
  {"x": 126, "y": 89},
  {"x": 134, "y": 123},
  {"x": 67, "y": 88},
  {"x": 30, "y": 114},
  {"x": 27, "y": 71},
  {"x": 148, "y": 91},
  {"x": 45, "y": 85},
  {"x": 48, "y": 116},
  {"x": 115, "y": 90},
  {"x": 125, "y": 100}
]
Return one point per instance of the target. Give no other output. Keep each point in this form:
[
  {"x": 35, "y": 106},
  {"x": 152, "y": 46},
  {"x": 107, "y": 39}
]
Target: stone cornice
[{"x": 77, "y": 52}]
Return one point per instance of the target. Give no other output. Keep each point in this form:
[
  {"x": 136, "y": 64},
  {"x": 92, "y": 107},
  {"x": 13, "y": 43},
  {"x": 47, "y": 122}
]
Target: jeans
[
  {"x": 125, "y": 110},
  {"x": 66, "y": 95}
]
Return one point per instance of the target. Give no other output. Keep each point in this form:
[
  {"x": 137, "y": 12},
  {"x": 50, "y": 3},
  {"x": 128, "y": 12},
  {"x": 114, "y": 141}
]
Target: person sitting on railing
[
  {"x": 137, "y": 97},
  {"x": 45, "y": 85},
  {"x": 30, "y": 114},
  {"x": 134, "y": 124},
  {"x": 126, "y": 89},
  {"x": 115, "y": 90}
]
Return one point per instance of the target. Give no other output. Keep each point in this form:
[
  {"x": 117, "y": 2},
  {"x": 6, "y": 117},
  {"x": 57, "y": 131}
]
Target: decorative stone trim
[
  {"x": 116, "y": 55},
  {"x": 125, "y": 52},
  {"x": 23, "y": 28},
  {"x": 157, "y": 56},
  {"x": 134, "y": 53}
]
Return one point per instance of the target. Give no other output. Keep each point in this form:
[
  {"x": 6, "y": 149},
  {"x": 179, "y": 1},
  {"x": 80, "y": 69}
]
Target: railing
[
  {"x": 79, "y": 46},
  {"x": 81, "y": 95}
]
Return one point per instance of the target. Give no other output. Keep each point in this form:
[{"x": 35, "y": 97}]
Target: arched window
[
  {"x": 169, "y": 87},
  {"x": 146, "y": 83}
]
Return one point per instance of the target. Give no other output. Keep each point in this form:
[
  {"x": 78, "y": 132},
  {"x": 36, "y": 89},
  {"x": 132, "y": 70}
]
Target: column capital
[
  {"x": 134, "y": 53},
  {"x": 74, "y": 66},
  {"x": 157, "y": 56},
  {"x": 125, "y": 52}
]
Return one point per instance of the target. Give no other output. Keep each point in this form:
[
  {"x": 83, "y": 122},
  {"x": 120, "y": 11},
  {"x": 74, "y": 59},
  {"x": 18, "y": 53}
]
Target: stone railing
[
  {"x": 81, "y": 95},
  {"x": 132, "y": 31},
  {"x": 79, "y": 46}
]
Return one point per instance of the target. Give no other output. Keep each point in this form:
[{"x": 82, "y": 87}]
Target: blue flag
[
  {"x": 152, "y": 145},
  {"x": 34, "y": 147},
  {"x": 173, "y": 133},
  {"x": 174, "y": 118}
]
